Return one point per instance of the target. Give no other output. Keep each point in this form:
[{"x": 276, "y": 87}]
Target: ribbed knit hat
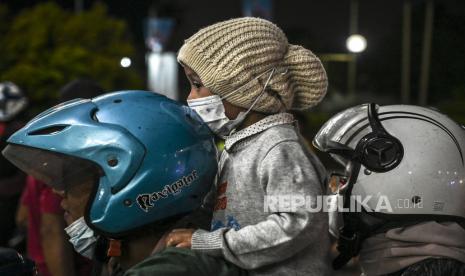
[{"x": 229, "y": 56}]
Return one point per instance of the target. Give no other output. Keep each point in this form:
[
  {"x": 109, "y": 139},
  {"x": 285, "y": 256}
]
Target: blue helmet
[{"x": 155, "y": 157}]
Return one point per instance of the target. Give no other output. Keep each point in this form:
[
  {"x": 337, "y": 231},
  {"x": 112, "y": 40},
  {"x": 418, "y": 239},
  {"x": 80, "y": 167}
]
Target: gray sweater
[{"x": 267, "y": 158}]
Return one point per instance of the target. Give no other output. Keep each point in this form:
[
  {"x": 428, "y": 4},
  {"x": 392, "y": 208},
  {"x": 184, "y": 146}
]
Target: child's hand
[{"x": 180, "y": 238}]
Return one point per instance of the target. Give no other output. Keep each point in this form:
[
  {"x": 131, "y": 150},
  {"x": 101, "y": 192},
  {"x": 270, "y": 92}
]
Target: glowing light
[
  {"x": 125, "y": 62},
  {"x": 356, "y": 43}
]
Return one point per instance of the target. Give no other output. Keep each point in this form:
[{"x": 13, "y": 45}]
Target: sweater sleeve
[{"x": 285, "y": 170}]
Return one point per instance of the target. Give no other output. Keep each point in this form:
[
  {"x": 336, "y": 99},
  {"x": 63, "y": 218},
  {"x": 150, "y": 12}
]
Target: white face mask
[
  {"x": 211, "y": 110},
  {"x": 82, "y": 238}
]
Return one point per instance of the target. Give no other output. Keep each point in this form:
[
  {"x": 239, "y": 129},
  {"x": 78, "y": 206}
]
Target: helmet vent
[
  {"x": 93, "y": 114},
  {"x": 48, "y": 130}
]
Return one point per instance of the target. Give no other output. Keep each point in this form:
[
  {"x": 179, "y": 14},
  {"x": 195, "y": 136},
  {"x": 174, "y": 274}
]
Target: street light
[
  {"x": 125, "y": 62},
  {"x": 356, "y": 43}
]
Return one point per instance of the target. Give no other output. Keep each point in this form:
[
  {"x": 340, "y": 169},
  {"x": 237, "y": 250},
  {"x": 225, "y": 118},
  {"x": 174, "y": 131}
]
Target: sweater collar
[{"x": 260, "y": 126}]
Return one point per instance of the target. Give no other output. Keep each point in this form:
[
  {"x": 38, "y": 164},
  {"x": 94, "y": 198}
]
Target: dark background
[{"x": 323, "y": 26}]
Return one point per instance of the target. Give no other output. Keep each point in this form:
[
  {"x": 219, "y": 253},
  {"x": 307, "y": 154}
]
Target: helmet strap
[
  {"x": 350, "y": 236},
  {"x": 100, "y": 256},
  {"x": 114, "y": 248}
]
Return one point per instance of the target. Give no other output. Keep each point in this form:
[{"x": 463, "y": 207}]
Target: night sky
[{"x": 322, "y": 26}]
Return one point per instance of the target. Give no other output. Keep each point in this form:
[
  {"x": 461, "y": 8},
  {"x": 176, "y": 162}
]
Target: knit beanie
[{"x": 233, "y": 58}]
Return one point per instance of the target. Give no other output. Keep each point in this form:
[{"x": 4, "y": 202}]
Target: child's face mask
[{"x": 211, "y": 110}]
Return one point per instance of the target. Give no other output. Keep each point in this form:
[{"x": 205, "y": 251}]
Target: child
[{"x": 244, "y": 75}]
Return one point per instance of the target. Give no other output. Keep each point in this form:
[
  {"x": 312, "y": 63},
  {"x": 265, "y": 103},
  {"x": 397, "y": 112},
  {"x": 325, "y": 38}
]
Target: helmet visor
[
  {"x": 330, "y": 137},
  {"x": 339, "y": 125},
  {"x": 56, "y": 170}
]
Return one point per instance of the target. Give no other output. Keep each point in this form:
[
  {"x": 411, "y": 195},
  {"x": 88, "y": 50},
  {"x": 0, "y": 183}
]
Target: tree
[{"x": 45, "y": 47}]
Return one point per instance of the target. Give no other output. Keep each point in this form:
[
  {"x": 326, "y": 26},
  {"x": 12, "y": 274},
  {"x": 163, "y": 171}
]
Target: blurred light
[
  {"x": 125, "y": 62},
  {"x": 356, "y": 43},
  {"x": 162, "y": 70}
]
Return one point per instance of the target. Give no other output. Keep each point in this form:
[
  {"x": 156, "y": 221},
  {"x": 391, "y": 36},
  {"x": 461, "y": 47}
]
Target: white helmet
[
  {"x": 410, "y": 156},
  {"x": 12, "y": 101}
]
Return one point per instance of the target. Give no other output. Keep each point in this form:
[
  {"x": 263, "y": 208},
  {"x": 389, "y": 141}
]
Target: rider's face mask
[
  {"x": 82, "y": 238},
  {"x": 212, "y": 112}
]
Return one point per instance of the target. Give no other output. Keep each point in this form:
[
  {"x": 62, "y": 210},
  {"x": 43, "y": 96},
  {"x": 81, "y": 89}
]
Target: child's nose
[{"x": 193, "y": 95}]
